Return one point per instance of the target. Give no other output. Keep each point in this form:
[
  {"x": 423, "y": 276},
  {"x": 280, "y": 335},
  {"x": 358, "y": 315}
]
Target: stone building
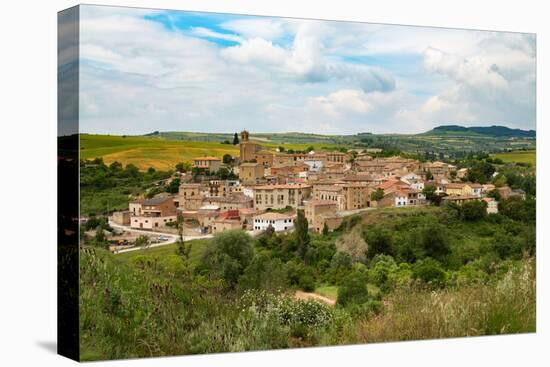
[
  {"x": 251, "y": 173},
  {"x": 280, "y": 196}
]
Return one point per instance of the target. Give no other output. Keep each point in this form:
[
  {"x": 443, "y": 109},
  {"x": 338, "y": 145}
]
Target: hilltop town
[{"x": 263, "y": 190}]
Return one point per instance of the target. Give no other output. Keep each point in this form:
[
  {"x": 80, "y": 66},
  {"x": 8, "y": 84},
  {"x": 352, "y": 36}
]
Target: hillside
[
  {"x": 492, "y": 131},
  {"x": 163, "y": 150}
]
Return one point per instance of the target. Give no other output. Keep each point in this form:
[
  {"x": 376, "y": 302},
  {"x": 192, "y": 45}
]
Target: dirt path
[{"x": 314, "y": 296}]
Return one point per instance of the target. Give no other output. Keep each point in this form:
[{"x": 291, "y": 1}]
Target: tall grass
[
  {"x": 151, "y": 310},
  {"x": 501, "y": 306}
]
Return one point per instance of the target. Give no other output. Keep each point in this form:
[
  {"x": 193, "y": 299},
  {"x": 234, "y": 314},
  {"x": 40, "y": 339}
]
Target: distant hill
[{"x": 492, "y": 131}]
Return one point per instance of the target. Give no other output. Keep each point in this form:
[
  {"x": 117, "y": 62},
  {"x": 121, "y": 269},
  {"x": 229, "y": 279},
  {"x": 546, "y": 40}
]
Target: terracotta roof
[{"x": 387, "y": 184}]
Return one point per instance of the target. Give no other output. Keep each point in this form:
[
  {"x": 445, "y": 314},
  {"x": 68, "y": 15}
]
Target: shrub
[
  {"x": 430, "y": 272},
  {"x": 354, "y": 245},
  {"x": 307, "y": 283},
  {"x": 473, "y": 210},
  {"x": 228, "y": 254},
  {"x": 264, "y": 273},
  {"x": 380, "y": 241},
  {"x": 353, "y": 290}
]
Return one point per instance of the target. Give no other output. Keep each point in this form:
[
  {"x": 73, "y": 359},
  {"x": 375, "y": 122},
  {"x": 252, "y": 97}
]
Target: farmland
[
  {"x": 159, "y": 152},
  {"x": 145, "y": 152},
  {"x": 521, "y": 156}
]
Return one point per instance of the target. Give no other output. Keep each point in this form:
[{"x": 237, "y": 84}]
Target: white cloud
[
  {"x": 138, "y": 76},
  {"x": 269, "y": 29},
  {"x": 205, "y": 32},
  {"x": 255, "y": 50}
]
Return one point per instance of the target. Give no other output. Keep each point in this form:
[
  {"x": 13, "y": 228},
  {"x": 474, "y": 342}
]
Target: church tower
[{"x": 248, "y": 148}]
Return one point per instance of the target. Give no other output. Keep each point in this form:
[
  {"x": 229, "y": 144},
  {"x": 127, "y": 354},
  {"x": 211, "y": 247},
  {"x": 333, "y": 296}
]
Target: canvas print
[{"x": 257, "y": 183}]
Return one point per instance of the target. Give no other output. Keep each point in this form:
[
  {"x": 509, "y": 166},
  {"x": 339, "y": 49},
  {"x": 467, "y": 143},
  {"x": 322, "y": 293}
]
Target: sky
[{"x": 152, "y": 70}]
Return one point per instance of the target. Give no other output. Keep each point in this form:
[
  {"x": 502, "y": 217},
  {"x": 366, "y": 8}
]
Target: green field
[
  {"x": 159, "y": 153},
  {"x": 523, "y": 156},
  {"x": 161, "y": 252}
]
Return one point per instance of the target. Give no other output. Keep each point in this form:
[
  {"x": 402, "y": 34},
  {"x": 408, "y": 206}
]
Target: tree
[
  {"x": 228, "y": 254},
  {"x": 227, "y": 159},
  {"x": 301, "y": 233},
  {"x": 310, "y": 149},
  {"x": 353, "y": 290},
  {"x": 325, "y": 229},
  {"x": 429, "y": 271},
  {"x": 353, "y": 244},
  {"x": 495, "y": 194},
  {"x": 429, "y": 175},
  {"x": 142, "y": 241},
  {"x": 264, "y": 273},
  {"x": 183, "y": 167},
  {"x": 380, "y": 242},
  {"x": 473, "y": 210},
  {"x": 182, "y": 249},
  {"x": 115, "y": 166},
  {"x": 480, "y": 171},
  {"x": 429, "y": 192},
  {"x": 235, "y": 139},
  {"x": 499, "y": 180},
  {"x": 100, "y": 239},
  {"x": 174, "y": 186},
  {"x": 377, "y": 195}
]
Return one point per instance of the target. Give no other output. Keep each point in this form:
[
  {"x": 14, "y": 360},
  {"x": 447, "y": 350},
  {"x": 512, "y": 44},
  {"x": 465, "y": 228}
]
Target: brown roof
[
  {"x": 321, "y": 202},
  {"x": 282, "y": 186},
  {"x": 157, "y": 200},
  {"x": 460, "y": 197},
  {"x": 455, "y": 185}
]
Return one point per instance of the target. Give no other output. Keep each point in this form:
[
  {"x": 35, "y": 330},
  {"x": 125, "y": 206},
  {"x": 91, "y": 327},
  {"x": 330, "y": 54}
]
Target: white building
[
  {"x": 279, "y": 222},
  {"x": 492, "y": 205},
  {"x": 248, "y": 191},
  {"x": 400, "y": 199},
  {"x": 315, "y": 164}
]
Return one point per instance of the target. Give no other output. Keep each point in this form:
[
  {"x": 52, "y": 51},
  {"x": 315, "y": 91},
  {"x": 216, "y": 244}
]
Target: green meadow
[{"x": 520, "y": 156}]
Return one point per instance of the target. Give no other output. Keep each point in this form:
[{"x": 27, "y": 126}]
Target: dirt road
[{"x": 314, "y": 296}]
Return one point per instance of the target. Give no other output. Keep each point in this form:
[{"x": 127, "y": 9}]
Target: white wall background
[{"x": 28, "y": 182}]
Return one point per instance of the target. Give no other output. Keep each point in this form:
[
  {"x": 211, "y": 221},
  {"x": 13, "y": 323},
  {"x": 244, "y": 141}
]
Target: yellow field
[
  {"x": 159, "y": 153},
  {"x": 145, "y": 152},
  {"x": 526, "y": 156}
]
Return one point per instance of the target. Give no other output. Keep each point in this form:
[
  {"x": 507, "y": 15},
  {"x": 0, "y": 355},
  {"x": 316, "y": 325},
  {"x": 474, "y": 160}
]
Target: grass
[
  {"x": 159, "y": 153},
  {"x": 331, "y": 291},
  {"x": 145, "y": 152},
  {"x": 197, "y": 248},
  {"x": 520, "y": 156},
  {"x": 499, "y": 307}
]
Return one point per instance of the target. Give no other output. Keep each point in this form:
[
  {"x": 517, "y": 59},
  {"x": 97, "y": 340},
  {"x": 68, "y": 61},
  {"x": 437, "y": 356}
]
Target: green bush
[
  {"x": 307, "y": 283},
  {"x": 353, "y": 290},
  {"x": 430, "y": 272},
  {"x": 228, "y": 254}
]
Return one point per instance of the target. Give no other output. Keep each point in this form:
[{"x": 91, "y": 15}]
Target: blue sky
[{"x": 144, "y": 70}]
